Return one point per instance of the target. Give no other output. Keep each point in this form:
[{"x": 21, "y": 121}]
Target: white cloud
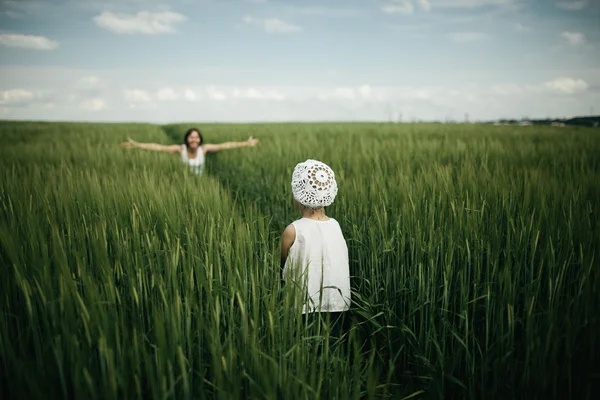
[
  {"x": 137, "y": 96},
  {"x": 365, "y": 91},
  {"x": 190, "y": 95},
  {"x": 89, "y": 84},
  {"x": 472, "y": 3},
  {"x": 211, "y": 91},
  {"x": 332, "y": 12},
  {"x": 90, "y": 81},
  {"x": 12, "y": 14},
  {"x": 215, "y": 94},
  {"x": 341, "y": 93},
  {"x": 16, "y": 96},
  {"x": 467, "y": 37},
  {"x": 560, "y": 85},
  {"x": 22, "y": 8},
  {"x": 574, "y": 38},
  {"x": 408, "y": 6},
  {"x": 359, "y": 93},
  {"x": 507, "y": 89},
  {"x": 272, "y": 25},
  {"x": 253, "y": 93},
  {"x": 567, "y": 85},
  {"x": 143, "y": 22},
  {"x": 398, "y": 6},
  {"x": 519, "y": 27},
  {"x": 93, "y": 105},
  {"x": 425, "y": 5},
  {"x": 254, "y": 99},
  {"x": 27, "y": 41},
  {"x": 166, "y": 94},
  {"x": 572, "y": 5}
]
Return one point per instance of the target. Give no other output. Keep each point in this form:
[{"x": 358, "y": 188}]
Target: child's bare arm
[{"x": 287, "y": 240}]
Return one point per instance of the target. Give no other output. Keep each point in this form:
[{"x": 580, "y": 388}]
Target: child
[{"x": 314, "y": 255}]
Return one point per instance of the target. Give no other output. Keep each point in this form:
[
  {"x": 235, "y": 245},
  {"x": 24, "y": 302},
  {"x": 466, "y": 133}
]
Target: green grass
[{"x": 473, "y": 255}]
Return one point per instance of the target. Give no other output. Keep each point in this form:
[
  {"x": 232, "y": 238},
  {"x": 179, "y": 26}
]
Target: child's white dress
[
  {"x": 196, "y": 164},
  {"x": 319, "y": 256}
]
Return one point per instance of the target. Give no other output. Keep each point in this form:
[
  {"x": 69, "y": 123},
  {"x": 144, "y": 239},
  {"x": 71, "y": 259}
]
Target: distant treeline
[{"x": 591, "y": 121}]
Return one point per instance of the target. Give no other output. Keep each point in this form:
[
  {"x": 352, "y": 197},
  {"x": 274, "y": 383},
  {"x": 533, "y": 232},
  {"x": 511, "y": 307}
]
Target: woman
[{"x": 193, "y": 150}]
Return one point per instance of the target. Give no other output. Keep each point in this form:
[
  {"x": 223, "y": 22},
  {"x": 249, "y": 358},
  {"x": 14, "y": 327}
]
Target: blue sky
[{"x": 284, "y": 60}]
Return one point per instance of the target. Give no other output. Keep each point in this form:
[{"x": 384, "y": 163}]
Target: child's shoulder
[
  {"x": 289, "y": 231},
  {"x": 334, "y": 221}
]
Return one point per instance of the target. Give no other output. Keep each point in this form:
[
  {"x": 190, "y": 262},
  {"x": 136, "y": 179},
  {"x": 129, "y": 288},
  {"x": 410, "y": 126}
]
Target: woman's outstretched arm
[
  {"x": 132, "y": 144},
  {"x": 229, "y": 145}
]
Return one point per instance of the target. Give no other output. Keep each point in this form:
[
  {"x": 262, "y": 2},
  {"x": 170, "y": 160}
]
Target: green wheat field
[{"x": 474, "y": 259}]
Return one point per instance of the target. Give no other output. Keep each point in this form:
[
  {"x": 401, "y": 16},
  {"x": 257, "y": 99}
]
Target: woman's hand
[
  {"x": 130, "y": 144},
  {"x": 252, "y": 142}
]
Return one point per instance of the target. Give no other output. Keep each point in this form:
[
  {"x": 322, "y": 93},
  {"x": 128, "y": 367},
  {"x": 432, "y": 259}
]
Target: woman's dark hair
[{"x": 189, "y": 132}]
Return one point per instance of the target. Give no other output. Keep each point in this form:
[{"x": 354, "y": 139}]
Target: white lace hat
[{"x": 313, "y": 184}]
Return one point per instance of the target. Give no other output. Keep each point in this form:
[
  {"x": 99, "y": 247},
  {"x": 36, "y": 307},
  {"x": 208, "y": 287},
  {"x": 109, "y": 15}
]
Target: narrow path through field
[{"x": 248, "y": 218}]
